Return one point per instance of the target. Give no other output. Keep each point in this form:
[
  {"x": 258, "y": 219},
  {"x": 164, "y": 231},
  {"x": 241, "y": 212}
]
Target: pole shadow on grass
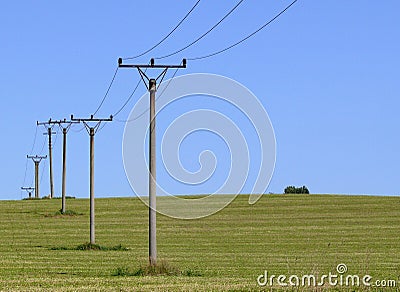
[
  {"x": 163, "y": 268},
  {"x": 60, "y": 214},
  {"x": 90, "y": 246}
]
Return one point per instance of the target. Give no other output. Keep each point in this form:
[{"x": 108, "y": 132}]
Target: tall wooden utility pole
[
  {"x": 64, "y": 171},
  {"x": 36, "y": 159},
  {"x": 65, "y": 126},
  {"x": 49, "y": 133},
  {"x": 92, "y": 131},
  {"x": 152, "y": 88}
]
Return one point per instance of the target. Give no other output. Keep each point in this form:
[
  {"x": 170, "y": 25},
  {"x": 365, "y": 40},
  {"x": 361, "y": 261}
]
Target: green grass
[{"x": 284, "y": 234}]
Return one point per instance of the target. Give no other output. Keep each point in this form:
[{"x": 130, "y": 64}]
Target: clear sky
[{"x": 327, "y": 72}]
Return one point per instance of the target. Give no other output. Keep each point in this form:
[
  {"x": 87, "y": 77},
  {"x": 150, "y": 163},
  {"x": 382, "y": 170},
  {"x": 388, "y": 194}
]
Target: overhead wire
[
  {"x": 162, "y": 57},
  {"x": 101, "y": 127},
  {"x": 163, "y": 39},
  {"x": 247, "y": 37},
  {"x": 34, "y": 140},
  {"x": 78, "y": 131},
  {"x": 53, "y": 143},
  {"x": 41, "y": 152},
  {"x": 30, "y": 153},
  {"x": 43, "y": 168},
  {"x": 108, "y": 90},
  {"x": 55, "y": 139},
  {"x": 127, "y": 101},
  {"x": 209, "y": 55},
  {"x": 44, "y": 143},
  {"x": 169, "y": 81},
  {"x": 145, "y": 52},
  {"x": 204, "y": 34},
  {"x": 129, "y": 98}
]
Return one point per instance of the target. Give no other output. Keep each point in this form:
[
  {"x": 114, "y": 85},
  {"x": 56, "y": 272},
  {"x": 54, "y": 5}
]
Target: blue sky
[{"x": 326, "y": 72}]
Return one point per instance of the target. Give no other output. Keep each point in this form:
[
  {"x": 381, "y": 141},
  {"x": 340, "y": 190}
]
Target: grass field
[{"x": 284, "y": 234}]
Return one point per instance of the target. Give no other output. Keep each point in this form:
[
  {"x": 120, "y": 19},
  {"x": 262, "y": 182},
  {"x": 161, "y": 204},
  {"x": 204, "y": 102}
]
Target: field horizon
[
  {"x": 281, "y": 234},
  {"x": 57, "y": 197}
]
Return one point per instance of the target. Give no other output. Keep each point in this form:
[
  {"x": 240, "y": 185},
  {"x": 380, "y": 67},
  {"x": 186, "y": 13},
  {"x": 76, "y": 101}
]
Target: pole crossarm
[
  {"x": 50, "y": 122},
  {"x": 64, "y": 124},
  {"x": 49, "y": 132},
  {"x": 152, "y": 66},
  {"x": 91, "y": 119},
  {"x": 28, "y": 189},
  {"x": 36, "y": 158},
  {"x": 86, "y": 122}
]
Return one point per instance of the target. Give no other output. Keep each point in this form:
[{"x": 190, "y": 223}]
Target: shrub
[
  {"x": 294, "y": 190},
  {"x": 122, "y": 272}
]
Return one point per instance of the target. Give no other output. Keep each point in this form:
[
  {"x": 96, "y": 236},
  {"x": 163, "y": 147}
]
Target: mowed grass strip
[{"x": 284, "y": 234}]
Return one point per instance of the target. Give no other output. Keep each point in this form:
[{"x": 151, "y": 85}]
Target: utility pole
[
  {"x": 65, "y": 126},
  {"x": 28, "y": 190},
  {"x": 36, "y": 159},
  {"x": 92, "y": 131},
  {"x": 152, "y": 88},
  {"x": 49, "y": 133},
  {"x": 64, "y": 171}
]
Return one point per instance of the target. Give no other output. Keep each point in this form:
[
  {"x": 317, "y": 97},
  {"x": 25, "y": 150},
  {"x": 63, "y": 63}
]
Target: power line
[
  {"x": 44, "y": 143},
  {"x": 26, "y": 170},
  {"x": 30, "y": 153},
  {"x": 43, "y": 168},
  {"x": 129, "y": 98},
  {"x": 78, "y": 131},
  {"x": 55, "y": 138},
  {"x": 246, "y": 38},
  {"x": 101, "y": 127},
  {"x": 204, "y": 34},
  {"x": 162, "y": 40},
  {"x": 40, "y": 153},
  {"x": 34, "y": 140},
  {"x": 169, "y": 81},
  {"x": 108, "y": 90}
]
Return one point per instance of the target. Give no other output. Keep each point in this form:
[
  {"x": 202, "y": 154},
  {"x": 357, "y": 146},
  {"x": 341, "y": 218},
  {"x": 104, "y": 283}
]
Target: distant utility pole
[
  {"x": 28, "y": 190},
  {"x": 65, "y": 126},
  {"x": 36, "y": 159},
  {"x": 152, "y": 88},
  {"x": 92, "y": 131},
  {"x": 49, "y": 133}
]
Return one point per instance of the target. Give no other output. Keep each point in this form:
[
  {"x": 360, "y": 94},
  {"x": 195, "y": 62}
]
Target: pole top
[{"x": 152, "y": 84}]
